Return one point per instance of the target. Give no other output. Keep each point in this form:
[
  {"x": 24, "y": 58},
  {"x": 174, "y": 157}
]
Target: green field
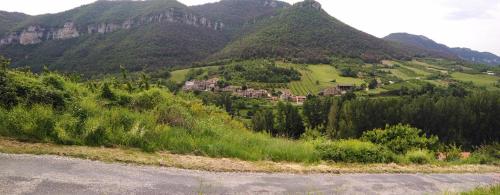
[
  {"x": 478, "y": 79},
  {"x": 180, "y": 75},
  {"x": 318, "y": 77}
]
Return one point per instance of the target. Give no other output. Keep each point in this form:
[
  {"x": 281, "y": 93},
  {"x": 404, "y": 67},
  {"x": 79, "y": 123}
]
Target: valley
[{"x": 236, "y": 86}]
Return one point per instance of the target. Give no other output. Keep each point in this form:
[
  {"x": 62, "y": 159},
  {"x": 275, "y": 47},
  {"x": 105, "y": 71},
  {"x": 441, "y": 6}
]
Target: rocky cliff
[{"x": 35, "y": 33}]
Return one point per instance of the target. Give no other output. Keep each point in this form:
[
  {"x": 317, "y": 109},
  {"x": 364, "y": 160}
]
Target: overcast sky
[{"x": 457, "y": 23}]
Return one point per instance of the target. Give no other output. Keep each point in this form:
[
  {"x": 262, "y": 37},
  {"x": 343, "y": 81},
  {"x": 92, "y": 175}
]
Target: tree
[
  {"x": 373, "y": 84},
  {"x": 4, "y": 63},
  {"x": 312, "y": 111},
  {"x": 263, "y": 120},
  {"x": 106, "y": 92},
  {"x": 123, "y": 72},
  {"x": 145, "y": 81},
  {"x": 333, "y": 120},
  {"x": 289, "y": 121}
]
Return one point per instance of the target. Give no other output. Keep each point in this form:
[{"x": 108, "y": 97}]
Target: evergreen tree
[
  {"x": 263, "y": 120},
  {"x": 290, "y": 122}
]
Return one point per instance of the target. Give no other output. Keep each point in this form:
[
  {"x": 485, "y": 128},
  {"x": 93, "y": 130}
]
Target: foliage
[
  {"x": 263, "y": 120},
  {"x": 453, "y": 153},
  {"x": 289, "y": 121},
  {"x": 400, "y": 138},
  {"x": 354, "y": 151},
  {"x": 302, "y": 34},
  {"x": 420, "y": 156},
  {"x": 258, "y": 71},
  {"x": 486, "y": 154},
  {"x": 495, "y": 189},
  {"x": 467, "y": 121},
  {"x": 153, "y": 120}
]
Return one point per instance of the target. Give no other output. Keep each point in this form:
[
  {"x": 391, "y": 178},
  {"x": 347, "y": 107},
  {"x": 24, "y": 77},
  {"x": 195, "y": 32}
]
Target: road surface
[{"x": 27, "y": 174}]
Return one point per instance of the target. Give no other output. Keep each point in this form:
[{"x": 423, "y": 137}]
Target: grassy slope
[
  {"x": 134, "y": 156},
  {"x": 180, "y": 75},
  {"x": 325, "y": 74},
  {"x": 478, "y": 79},
  {"x": 149, "y": 119},
  {"x": 495, "y": 189}
]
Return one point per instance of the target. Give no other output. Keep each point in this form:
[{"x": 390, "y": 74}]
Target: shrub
[
  {"x": 35, "y": 123},
  {"x": 400, "y": 138},
  {"x": 419, "y": 156},
  {"x": 148, "y": 100},
  {"x": 175, "y": 115},
  {"x": 351, "y": 151},
  {"x": 487, "y": 154},
  {"x": 106, "y": 92},
  {"x": 453, "y": 153},
  {"x": 97, "y": 137}
]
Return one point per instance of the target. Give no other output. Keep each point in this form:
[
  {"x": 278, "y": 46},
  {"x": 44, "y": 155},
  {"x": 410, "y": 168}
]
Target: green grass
[
  {"x": 180, "y": 75},
  {"x": 153, "y": 120},
  {"x": 484, "y": 190},
  {"x": 478, "y": 79},
  {"x": 324, "y": 74}
]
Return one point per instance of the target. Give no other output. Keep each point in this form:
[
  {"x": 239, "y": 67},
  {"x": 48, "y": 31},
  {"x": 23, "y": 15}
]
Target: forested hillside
[{"x": 158, "y": 34}]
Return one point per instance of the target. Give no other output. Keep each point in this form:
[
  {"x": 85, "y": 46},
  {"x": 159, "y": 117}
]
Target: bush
[
  {"x": 400, "y": 138},
  {"x": 36, "y": 123},
  {"x": 97, "y": 137},
  {"x": 487, "y": 154},
  {"x": 148, "y": 100},
  {"x": 419, "y": 156},
  {"x": 354, "y": 151},
  {"x": 453, "y": 153},
  {"x": 175, "y": 116}
]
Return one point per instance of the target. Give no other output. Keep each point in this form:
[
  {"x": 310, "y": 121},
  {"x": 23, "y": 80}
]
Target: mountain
[
  {"x": 8, "y": 20},
  {"x": 237, "y": 13},
  {"x": 430, "y": 45},
  {"x": 100, "y": 37},
  {"x": 306, "y": 32}
]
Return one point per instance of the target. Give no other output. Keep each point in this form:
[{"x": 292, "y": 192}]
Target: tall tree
[
  {"x": 290, "y": 122},
  {"x": 263, "y": 120}
]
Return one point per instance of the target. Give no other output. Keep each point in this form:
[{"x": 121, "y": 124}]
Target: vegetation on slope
[
  {"x": 8, "y": 20},
  {"x": 52, "y": 108},
  {"x": 237, "y": 13},
  {"x": 305, "y": 33},
  {"x": 152, "y": 46}
]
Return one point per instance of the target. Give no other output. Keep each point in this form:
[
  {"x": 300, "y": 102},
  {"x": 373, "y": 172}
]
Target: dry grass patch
[{"x": 165, "y": 159}]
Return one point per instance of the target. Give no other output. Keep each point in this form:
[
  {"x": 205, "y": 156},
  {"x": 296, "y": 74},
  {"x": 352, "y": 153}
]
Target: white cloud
[{"x": 471, "y": 9}]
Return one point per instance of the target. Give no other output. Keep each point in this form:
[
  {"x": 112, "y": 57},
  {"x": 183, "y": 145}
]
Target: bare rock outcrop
[{"x": 35, "y": 34}]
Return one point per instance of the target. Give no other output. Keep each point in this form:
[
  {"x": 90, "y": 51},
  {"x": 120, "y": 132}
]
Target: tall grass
[{"x": 151, "y": 119}]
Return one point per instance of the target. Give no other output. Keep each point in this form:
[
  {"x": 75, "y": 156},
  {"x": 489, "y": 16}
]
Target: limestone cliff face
[
  {"x": 67, "y": 32},
  {"x": 35, "y": 33},
  {"x": 32, "y": 35}
]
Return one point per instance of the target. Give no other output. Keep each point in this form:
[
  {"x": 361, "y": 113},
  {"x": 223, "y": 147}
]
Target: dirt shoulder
[{"x": 164, "y": 159}]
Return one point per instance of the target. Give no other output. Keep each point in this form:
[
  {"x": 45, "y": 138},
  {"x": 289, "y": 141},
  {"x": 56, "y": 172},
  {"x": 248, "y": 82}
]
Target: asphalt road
[{"x": 27, "y": 174}]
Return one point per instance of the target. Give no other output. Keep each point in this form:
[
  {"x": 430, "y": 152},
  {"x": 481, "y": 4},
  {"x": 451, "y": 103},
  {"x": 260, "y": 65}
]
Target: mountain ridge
[
  {"x": 102, "y": 36},
  {"x": 429, "y": 44}
]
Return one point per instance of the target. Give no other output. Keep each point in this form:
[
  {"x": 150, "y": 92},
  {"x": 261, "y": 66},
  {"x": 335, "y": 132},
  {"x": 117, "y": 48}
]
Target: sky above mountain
[{"x": 457, "y": 23}]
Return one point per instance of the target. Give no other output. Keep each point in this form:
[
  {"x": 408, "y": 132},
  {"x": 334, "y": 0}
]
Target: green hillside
[
  {"x": 238, "y": 13},
  {"x": 152, "y": 45},
  {"x": 308, "y": 33},
  {"x": 8, "y": 20},
  {"x": 103, "y": 12}
]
